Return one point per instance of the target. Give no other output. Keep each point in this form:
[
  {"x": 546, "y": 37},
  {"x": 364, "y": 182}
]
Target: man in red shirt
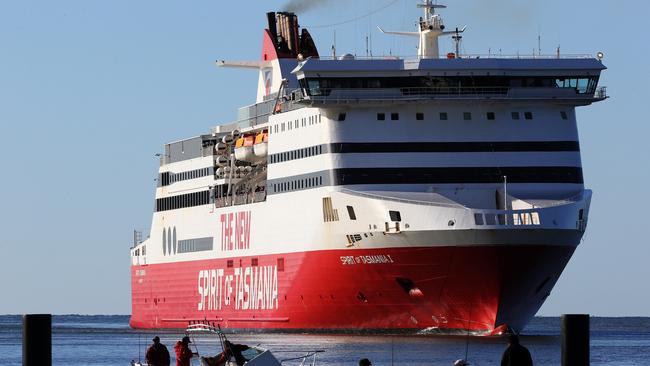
[{"x": 183, "y": 352}]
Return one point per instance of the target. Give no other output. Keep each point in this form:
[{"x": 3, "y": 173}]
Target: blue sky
[{"x": 91, "y": 90}]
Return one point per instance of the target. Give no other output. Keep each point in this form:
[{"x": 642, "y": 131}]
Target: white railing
[{"x": 468, "y": 56}]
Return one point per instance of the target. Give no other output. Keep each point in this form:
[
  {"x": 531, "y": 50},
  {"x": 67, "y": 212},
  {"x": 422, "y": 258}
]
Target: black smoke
[{"x": 303, "y": 6}]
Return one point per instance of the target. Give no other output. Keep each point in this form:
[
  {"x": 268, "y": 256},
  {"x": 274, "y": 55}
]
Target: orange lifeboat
[
  {"x": 261, "y": 146},
  {"x": 244, "y": 148}
]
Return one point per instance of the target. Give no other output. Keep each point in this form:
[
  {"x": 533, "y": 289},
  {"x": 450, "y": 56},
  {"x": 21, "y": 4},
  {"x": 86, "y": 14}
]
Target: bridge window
[
  {"x": 381, "y": 116},
  {"x": 341, "y": 117},
  {"x": 467, "y": 116},
  {"x": 528, "y": 115},
  {"x": 323, "y": 86},
  {"x": 515, "y": 115},
  {"x": 564, "y": 115},
  {"x": 443, "y": 116},
  {"x": 394, "y": 116},
  {"x": 491, "y": 116},
  {"x": 419, "y": 116},
  {"x": 582, "y": 85}
]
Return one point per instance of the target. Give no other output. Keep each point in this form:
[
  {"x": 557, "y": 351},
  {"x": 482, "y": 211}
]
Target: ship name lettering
[
  {"x": 367, "y": 259},
  {"x": 257, "y": 288},
  {"x": 235, "y": 231},
  {"x": 247, "y": 288},
  {"x": 210, "y": 289}
]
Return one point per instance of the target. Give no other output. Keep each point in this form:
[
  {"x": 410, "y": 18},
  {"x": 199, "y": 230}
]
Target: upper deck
[{"x": 348, "y": 80}]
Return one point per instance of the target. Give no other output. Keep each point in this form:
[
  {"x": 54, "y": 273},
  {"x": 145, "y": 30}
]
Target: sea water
[{"x": 108, "y": 340}]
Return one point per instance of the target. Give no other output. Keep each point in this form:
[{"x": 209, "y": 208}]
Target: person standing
[
  {"x": 516, "y": 354},
  {"x": 183, "y": 352},
  {"x": 157, "y": 354}
]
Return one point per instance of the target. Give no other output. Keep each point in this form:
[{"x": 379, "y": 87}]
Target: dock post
[
  {"x": 575, "y": 340},
  {"x": 37, "y": 339}
]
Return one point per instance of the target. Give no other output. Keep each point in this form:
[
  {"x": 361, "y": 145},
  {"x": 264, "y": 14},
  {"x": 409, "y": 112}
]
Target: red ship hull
[{"x": 480, "y": 288}]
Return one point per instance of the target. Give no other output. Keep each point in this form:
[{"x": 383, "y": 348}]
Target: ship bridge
[{"x": 343, "y": 81}]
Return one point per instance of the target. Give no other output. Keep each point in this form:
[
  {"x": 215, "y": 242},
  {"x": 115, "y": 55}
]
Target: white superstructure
[{"x": 373, "y": 161}]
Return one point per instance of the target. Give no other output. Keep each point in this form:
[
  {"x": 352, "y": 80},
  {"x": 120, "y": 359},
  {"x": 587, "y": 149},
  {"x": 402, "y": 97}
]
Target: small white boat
[{"x": 237, "y": 354}]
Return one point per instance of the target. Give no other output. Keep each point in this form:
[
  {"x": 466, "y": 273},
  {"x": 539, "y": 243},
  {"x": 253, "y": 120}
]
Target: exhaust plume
[{"x": 303, "y": 6}]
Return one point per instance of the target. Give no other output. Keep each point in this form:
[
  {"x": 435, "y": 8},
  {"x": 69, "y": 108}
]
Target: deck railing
[{"x": 466, "y": 56}]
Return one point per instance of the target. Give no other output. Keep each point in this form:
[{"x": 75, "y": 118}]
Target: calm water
[{"x": 107, "y": 340}]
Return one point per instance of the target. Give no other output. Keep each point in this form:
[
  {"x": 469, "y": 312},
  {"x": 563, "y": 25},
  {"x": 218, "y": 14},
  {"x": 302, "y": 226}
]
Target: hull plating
[{"x": 447, "y": 288}]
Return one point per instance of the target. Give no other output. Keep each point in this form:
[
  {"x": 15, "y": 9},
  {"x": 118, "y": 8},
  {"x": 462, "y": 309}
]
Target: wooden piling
[
  {"x": 575, "y": 340},
  {"x": 37, "y": 340}
]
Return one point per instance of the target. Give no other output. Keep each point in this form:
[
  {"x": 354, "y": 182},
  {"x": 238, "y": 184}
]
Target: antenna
[
  {"x": 367, "y": 47},
  {"x": 457, "y": 38}
]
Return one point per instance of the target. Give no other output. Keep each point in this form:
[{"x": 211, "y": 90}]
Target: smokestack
[
  {"x": 292, "y": 38},
  {"x": 289, "y": 42},
  {"x": 272, "y": 26}
]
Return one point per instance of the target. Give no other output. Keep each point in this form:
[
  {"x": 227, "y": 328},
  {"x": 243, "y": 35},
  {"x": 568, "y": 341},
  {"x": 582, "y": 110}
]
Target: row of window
[
  {"x": 297, "y": 184},
  {"x": 192, "y": 174},
  {"x": 444, "y": 116},
  {"x": 167, "y": 178},
  {"x": 526, "y": 218},
  {"x": 183, "y": 201},
  {"x": 296, "y": 154},
  {"x": 295, "y": 124},
  {"x": 195, "y": 245},
  {"x": 321, "y": 86}
]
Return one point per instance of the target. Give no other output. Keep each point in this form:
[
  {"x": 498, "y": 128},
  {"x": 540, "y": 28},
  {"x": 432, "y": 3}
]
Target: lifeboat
[
  {"x": 261, "y": 146},
  {"x": 244, "y": 148}
]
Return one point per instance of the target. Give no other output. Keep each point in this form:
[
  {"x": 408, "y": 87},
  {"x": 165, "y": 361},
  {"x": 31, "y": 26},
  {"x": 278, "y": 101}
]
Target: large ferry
[{"x": 373, "y": 193}]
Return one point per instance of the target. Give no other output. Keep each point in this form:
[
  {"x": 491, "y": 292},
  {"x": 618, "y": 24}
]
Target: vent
[{"x": 329, "y": 213}]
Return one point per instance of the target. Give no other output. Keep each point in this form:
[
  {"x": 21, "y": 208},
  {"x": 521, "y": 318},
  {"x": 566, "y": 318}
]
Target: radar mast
[{"x": 430, "y": 27}]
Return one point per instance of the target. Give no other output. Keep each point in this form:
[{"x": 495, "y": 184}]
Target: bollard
[
  {"x": 37, "y": 340},
  {"x": 575, "y": 340}
]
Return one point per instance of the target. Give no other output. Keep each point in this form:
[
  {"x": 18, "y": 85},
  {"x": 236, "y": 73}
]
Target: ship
[{"x": 373, "y": 193}]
